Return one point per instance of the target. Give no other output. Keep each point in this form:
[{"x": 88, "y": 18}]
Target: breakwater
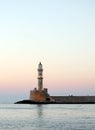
[
  {"x": 74, "y": 99},
  {"x": 63, "y": 100}
]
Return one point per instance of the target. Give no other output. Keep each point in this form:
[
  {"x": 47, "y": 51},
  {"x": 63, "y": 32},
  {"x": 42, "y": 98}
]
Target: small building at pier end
[{"x": 40, "y": 94}]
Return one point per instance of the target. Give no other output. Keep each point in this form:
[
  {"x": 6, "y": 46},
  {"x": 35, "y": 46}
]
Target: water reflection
[
  {"x": 40, "y": 116},
  {"x": 40, "y": 110}
]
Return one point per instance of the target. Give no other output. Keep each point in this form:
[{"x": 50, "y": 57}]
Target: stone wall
[
  {"x": 39, "y": 96},
  {"x": 74, "y": 99}
]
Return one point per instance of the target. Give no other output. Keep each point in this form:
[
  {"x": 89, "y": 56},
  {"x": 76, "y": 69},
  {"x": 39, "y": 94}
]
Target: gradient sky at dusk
[{"x": 60, "y": 34}]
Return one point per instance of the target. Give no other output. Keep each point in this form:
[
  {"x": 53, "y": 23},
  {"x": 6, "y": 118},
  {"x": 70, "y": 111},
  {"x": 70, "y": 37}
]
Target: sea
[{"x": 47, "y": 117}]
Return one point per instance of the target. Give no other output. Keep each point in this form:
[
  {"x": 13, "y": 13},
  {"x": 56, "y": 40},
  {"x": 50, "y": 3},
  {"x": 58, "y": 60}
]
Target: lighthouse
[
  {"x": 40, "y": 77},
  {"x": 40, "y": 94}
]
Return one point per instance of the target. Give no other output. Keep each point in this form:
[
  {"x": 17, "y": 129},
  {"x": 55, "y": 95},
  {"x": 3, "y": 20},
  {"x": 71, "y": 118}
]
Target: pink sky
[{"x": 60, "y": 34}]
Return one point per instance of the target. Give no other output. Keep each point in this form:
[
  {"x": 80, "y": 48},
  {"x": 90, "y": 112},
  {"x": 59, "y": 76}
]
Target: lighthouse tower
[
  {"x": 40, "y": 77},
  {"x": 40, "y": 94}
]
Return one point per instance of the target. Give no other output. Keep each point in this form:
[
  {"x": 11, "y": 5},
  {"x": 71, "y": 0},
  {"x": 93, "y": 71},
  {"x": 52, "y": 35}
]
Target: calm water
[{"x": 47, "y": 117}]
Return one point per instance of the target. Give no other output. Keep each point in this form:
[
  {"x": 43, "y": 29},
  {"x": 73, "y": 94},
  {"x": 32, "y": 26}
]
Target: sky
[{"x": 60, "y": 34}]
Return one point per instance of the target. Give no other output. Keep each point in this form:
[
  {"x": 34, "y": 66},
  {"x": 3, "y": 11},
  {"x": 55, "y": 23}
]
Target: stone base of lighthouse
[{"x": 39, "y": 95}]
